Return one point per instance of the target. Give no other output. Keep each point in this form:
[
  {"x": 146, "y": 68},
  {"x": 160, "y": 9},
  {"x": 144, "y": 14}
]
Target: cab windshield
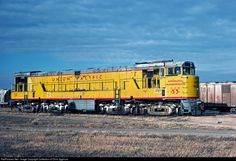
[{"x": 188, "y": 68}]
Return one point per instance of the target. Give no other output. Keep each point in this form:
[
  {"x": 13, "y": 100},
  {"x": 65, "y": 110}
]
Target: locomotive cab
[
  {"x": 174, "y": 79},
  {"x": 180, "y": 68},
  {"x": 192, "y": 81}
]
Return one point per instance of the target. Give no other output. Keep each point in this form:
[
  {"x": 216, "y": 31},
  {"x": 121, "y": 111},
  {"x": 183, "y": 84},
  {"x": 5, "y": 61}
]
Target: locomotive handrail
[{"x": 158, "y": 61}]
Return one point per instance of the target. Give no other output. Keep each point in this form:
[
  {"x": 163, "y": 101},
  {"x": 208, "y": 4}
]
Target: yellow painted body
[{"x": 106, "y": 86}]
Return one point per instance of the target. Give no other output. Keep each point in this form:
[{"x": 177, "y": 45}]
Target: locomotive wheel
[{"x": 233, "y": 110}]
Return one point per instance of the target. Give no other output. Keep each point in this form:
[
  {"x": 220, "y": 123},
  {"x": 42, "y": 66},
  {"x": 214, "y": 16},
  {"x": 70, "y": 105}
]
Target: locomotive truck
[{"x": 156, "y": 88}]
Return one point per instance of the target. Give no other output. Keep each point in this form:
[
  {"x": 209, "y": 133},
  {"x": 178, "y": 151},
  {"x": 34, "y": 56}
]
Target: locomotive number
[{"x": 175, "y": 91}]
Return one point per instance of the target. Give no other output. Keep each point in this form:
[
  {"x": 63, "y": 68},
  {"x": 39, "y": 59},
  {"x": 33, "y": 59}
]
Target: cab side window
[
  {"x": 170, "y": 71},
  {"x": 177, "y": 71},
  {"x": 162, "y": 72},
  {"x": 192, "y": 71},
  {"x": 186, "y": 71}
]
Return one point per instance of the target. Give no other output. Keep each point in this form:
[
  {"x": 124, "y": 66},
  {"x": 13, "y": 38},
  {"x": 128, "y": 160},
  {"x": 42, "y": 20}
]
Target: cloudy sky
[{"x": 50, "y": 35}]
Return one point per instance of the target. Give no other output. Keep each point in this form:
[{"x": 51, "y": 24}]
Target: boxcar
[{"x": 220, "y": 95}]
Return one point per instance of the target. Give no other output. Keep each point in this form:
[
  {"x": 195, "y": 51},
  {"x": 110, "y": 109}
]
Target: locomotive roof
[
  {"x": 139, "y": 65},
  {"x": 164, "y": 63},
  {"x": 212, "y": 83}
]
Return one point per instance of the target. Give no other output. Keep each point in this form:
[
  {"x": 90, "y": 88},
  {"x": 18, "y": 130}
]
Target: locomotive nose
[{"x": 193, "y": 86}]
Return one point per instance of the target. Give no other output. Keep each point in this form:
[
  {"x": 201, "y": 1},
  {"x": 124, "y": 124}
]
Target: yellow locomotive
[{"x": 156, "y": 88}]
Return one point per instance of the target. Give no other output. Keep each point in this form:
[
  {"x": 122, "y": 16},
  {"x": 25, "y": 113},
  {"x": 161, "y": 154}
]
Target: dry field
[{"x": 89, "y": 135}]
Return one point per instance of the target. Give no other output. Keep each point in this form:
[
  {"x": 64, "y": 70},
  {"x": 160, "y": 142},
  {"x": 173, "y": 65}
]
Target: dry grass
[
  {"x": 120, "y": 122},
  {"x": 71, "y": 143}
]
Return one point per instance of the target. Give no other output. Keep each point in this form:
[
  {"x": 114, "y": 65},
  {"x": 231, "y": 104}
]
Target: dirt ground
[{"x": 91, "y": 135}]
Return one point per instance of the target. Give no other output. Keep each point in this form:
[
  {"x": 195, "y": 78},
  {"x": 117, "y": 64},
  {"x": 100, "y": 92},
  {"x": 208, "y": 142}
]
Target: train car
[
  {"x": 157, "y": 88},
  {"x": 219, "y": 95},
  {"x": 4, "y": 97}
]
